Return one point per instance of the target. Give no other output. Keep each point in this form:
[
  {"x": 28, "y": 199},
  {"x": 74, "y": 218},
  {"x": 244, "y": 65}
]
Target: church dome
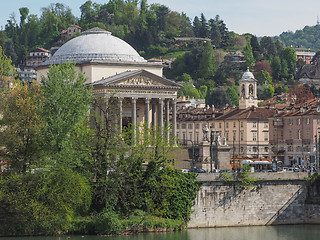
[
  {"x": 247, "y": 75},
  {"x": 95, "y": 45}
]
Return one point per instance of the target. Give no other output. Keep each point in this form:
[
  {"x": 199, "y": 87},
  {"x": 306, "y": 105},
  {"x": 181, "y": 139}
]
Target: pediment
[{"x": 136, "y": 79}]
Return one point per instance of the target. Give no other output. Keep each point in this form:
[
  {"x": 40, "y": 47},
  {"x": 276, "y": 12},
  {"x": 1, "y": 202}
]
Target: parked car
[
  {"x": 197, "y": 170},
  {"x": 185, "y": 170}
]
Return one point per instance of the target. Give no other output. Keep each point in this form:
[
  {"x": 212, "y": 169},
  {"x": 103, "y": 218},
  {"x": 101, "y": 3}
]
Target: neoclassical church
[{"x": 114, "y": 69}]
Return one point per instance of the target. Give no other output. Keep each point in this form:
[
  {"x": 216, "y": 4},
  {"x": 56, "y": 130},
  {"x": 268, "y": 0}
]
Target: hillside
[{"x": 308, "y": 37}]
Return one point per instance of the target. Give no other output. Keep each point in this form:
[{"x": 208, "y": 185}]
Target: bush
[
  {"x": 245, "y": 178},
  {"x": 42, "y": 203},
  {"x": 107, "y": 222}
]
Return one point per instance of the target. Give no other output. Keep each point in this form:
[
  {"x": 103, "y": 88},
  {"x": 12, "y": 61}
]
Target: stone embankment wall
[{"x": 277, "y": 198}]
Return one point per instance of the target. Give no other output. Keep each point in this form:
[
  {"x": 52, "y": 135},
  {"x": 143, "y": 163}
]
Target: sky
[{"x": 261, "y": 18}]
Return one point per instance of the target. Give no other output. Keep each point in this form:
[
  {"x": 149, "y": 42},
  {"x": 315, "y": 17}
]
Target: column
[
  {"x": 174, "y": 117},
  {"x": 134, "y": 116},
  {"x": 154, "y": 116},
  {"x": 161, "y": 115},
  {"x": 120, "y": 114},
  {"x": 167, "y": 113},
  {"x": 147, "y": 118}
]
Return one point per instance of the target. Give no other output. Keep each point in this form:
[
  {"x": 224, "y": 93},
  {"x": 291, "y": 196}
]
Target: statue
[
  {"x": 224, "y": 142},
  {"x": 218, "y": 141},
  {"x": 205, "y": 131}
]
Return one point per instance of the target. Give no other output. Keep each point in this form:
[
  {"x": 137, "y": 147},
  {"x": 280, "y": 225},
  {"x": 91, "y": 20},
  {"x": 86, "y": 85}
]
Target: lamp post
[
  {"x": 211, "y": 147},
  {"x": 233, "y": 147}
]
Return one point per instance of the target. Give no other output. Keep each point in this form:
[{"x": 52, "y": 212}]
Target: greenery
[
  {"x": 70, "y": 171},
  {"x": 245, "y": 177}
]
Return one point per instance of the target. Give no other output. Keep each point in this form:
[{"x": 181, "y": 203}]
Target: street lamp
[{"x": 211, "y": 147}]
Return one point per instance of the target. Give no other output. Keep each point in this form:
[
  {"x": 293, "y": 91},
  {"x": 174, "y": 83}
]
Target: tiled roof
[{"x": 248, "y": 113}]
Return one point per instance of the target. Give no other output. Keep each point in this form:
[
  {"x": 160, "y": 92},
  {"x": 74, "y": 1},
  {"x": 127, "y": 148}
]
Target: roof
[
  {"x": 248, "y": 113},
  {"x": 40, "y": 50},
  {"x": 95, "y": 45}
]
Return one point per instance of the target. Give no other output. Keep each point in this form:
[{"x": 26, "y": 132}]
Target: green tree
[
  {"x": 21, "y": 127},
  {"x": 6, "y": 68},
  {"x": 264, "y": 77},
  {"x": 289, "y": 55},
  {"x": 276, "y": 68},
  {"x": 248, "y": 55},
  {"x": 207, "y": 66},
  {"x": 268, "y": 92},
  {"x": 66, "y": 104},
  {"x": 233, "y": 94}
]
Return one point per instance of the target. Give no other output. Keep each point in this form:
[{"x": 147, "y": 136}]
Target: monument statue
[{"x": 205, "y": 131}]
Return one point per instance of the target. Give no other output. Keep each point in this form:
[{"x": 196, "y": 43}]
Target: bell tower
[{"x": 248, "y": 91}]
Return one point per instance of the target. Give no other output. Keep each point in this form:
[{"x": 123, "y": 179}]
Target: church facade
[{"x": 115, "y": 70}]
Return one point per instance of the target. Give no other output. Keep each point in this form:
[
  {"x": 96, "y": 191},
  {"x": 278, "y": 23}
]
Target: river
[{"x": 288, "y": 232}]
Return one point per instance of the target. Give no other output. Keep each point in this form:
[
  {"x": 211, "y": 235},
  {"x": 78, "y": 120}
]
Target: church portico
[{"x": 143, "y": 98}]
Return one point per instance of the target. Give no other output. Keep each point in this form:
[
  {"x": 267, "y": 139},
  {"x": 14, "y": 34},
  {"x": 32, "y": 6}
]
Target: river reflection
[{"x": 289, "y": 232}]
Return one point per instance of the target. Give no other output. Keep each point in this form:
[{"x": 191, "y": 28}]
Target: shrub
[{"x": 107, "y": 222}]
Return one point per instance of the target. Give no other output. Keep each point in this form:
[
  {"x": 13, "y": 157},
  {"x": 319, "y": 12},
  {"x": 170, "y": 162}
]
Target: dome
[
  {"x": 247, "y": 75},
  {"x": 95, "y": 45}
]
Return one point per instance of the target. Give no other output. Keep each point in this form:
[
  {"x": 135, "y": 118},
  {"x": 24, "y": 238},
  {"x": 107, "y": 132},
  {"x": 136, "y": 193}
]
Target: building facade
[{"x": 293, "y": 131}]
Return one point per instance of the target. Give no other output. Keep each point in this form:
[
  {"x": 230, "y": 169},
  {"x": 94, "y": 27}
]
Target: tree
[
  {"x": 233, "y": 94},
  {"x": 289, "y": 55},
  {"x": 6, "y": 68},
  {"x": 196, "y": 27},
  {"x": 264, "y": 77},
  {"x": 215, "y": 34},
  {"x": 189, "y": 90},
  {"x": 276, "y": 68},
  {"x": 207, "y": 66},
  {"x": 268, "y": 92},
  {"x": 66, "y": 104},
  {"x": 204, "y": 29},
  {"x": 219, "y": 98},
  {"x": 250, "y": 61},
  {"x": 21, "y": 126}
]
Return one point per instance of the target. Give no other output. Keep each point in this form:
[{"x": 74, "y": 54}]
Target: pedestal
[
  {"x": 204, "y": 156},
  {"x": 221, "y": 156}
]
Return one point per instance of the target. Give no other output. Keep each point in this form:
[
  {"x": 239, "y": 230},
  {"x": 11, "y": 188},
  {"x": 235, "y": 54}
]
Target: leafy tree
[
  {"x": 189, "y": 90},
  {"x": 203, "y": 91},
  {"x": 267, "y": 47},
  {"x": 264, "y": 77},
  {"x": 268, "y": 92},
  {"x": 289, "y": 55},
  {"x": 21, "y": 124},
  {"x": 233, "y": 94},
  {"x": 66, "y": 103},
  {"x": 219, "y": 98},
  {"x": 6, "y": 68}
]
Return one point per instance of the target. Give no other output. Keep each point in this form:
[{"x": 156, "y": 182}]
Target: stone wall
[{"x": 274, "y": 200}]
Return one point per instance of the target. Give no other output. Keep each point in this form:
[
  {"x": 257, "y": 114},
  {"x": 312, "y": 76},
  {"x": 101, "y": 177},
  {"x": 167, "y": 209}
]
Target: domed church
[{"x": 115, "y": 69}]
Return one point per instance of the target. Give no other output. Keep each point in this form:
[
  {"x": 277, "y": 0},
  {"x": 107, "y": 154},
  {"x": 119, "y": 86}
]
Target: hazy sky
[{"x": 268, "y": 17}]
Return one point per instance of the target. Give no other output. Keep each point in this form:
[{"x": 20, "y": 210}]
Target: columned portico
[{"x": 148, "y": 97}]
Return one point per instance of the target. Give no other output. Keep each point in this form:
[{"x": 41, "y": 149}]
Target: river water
[{"x": 288, "y": 232}]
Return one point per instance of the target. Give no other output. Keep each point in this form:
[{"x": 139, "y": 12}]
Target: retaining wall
[{"x": 277, "y": 198}]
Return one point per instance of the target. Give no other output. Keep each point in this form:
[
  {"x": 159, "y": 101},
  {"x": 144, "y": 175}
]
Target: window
[
  {"x": 266, "y": 149},
  {"x": 241, "y": 124},
  {"x": 197, "y": 126},
  {"x": 241, "y": 149},
  {"x": 241, "y": 136},
  {"x": 290, "y": 134},
  {"x": 212, "y": 125},
  {"x": 299, "y": 134},
  {"x": 190, "y": 126},
  {"x": 254, "y": 136},
  {"x": 266, "y": 124},
  {"x": 254, "y": 149},
  {"x": 234, "y": 124},
  {"x": 227, "y": 136},
  {"x": 318, "y": 121},
  {"x": 254, "y": 124},
  {"x": 190, "y": 135},
  {"x": 227, "y": 125},
  {"x": 298, "y": 121},
  {"x": 183, "y": 126},
  {"x": 266, "y": 136},
  {"x": 178, "y": 125},
  {"x": 197, "y": 137},
  {"x": 219, "y": 124},
  {"x": 234, "y": 135},
  {"x": 281, "y": 134},
  {"x": 308, "y": 120},
  {"x": 184, "y": 136}
]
